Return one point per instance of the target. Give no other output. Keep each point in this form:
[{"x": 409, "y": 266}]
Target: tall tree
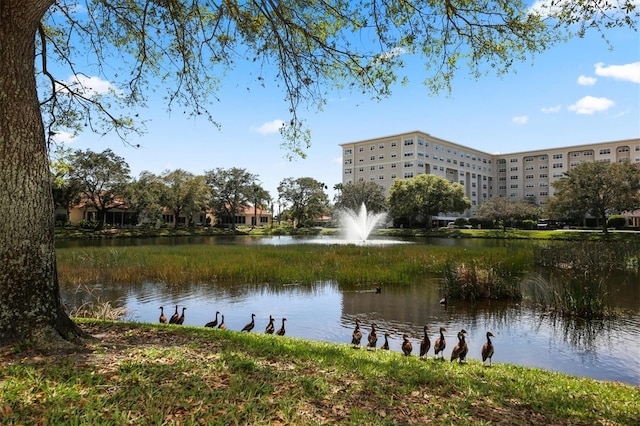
[
  {"x": 101, "y": 178},
  {"x": 183, "y": 193},
  {"x": 597, "y": 189},
  {"x": 231, "y": 190},
  {"x": 65, "y": 191},
  {"x": 143, "y": 195},
  {"x": 259, "y": 198},
  {"x": 306, "y": 199},
  {"x": 424, "y": 196},
  {"x": 502, "y": 210},
  {"x": 187, "y": 47},
  {"x": 353, "y": 195}
]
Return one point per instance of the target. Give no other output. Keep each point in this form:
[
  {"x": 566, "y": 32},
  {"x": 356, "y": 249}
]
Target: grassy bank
[{"x": 153, "y": 374}]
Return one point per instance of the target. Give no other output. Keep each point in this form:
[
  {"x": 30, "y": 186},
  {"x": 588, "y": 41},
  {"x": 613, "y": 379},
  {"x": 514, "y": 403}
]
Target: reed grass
[
  {"x": 494, "y": 280},
  {"x": 305, "y": 263},
  {"x": 594, "y": 256},
  {"x": 571, "y": 293}
]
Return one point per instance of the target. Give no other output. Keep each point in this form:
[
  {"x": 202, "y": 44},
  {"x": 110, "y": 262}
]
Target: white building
[{"x": 515, "y": 175}]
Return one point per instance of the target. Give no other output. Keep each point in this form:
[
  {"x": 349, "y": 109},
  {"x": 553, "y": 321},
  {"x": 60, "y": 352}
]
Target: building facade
[{"x": 483, "y": 175}]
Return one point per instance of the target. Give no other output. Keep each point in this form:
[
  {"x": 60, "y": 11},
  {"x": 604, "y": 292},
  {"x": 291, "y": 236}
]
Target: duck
[
  {"x": 440, "y": 344},
  {"x": 180, "y": 319},
  {"x": 251, "y": 324},
  {"x": 487, "y": 349},
  {"x": 461, "y": 349},
  {"x": 163, "y": 319},
  {"x": 425, "y": 343},
  {"x": 174, "y": 317},
  {"x": 385, "y": 345},
  {"x": 407, "y": 347},
  {"x": 213, "y": 323},
  {"x": 356, "y": 337},
  {"x": 373, "y": 337},
  {"x": 222, "y": 325},
  {"x": 270, "y": 327},
  {"x": 281, "y": 330}
]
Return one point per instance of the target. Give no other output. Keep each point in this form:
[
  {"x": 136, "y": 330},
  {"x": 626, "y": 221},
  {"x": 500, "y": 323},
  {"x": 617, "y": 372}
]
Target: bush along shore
[{"x": 164, "y": 374}]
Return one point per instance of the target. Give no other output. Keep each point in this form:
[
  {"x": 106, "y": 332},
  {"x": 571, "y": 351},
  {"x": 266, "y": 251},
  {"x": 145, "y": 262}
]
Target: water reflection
[{"x": 327, "y": 311}]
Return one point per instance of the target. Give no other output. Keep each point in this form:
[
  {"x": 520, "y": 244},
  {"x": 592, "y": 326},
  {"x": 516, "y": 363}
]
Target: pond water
[{"x": 326, "y": 311}]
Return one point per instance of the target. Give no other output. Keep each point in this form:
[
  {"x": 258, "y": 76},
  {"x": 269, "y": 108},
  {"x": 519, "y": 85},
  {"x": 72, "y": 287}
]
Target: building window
[
  {"x": 361, "y": 149},
  {"x": 605, "y": 151},
  {"x": 528, "y": 177},
  {"x": 408, "y": 154},
  {"x": 348, "y": 161},
  {"x": 557, "y": 156},
  {"x": 372, "y": 158},
  {"x": 393, "y": 144},
  {"x": 543, "y": 167},
  {"x": 408, "y": 142},
  {"x": 347, "y": 152},
  {"x": 347, "y": 171},
  {"x": 381, "y": 146},
  {"x": 543, "y": 158},
  {"x": 408, "y": 164},
  {"x": 527, "y": 159},
  {"x": 557, "y": 165},
  {"x": 543, "y": 176},
  {"x": 408, "y": 175},
  {"x": 588, "y": 153},
  {"x": 514, "y": 160}
]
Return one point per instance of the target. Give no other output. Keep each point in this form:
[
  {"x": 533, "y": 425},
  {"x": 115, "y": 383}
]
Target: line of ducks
[
  {"x": 178, "y": 319},
  {"x": 460, "y": 350}
]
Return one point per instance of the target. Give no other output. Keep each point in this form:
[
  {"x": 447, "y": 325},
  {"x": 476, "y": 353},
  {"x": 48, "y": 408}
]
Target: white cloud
[
  {"x": 269, "y": 127},
  {"x": 63, "y": 137},
  {"x": 627, "y": 72},
  {"x": 583, "y": 80},
  {"x": 551, "y": 110},
  {"x": 521, "y": 119},
  {"x": 590, "y": 105},
  {"x": 544, "y": 8},
  {"x": 89, "y": 86}
]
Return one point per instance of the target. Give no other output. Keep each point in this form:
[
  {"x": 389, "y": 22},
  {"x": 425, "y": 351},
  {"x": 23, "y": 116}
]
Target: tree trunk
[{"x": 30, "y": 307}]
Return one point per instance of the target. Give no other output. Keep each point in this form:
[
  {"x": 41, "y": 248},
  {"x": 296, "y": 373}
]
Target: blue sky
[{"x": 578, "y": 92}]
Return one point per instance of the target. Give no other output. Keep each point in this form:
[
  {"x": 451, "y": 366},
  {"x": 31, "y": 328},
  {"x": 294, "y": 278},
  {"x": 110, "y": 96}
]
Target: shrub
[{"x": 616, "y": 221}]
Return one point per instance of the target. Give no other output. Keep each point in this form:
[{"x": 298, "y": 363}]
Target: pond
[{"x": 326, "y": 311}]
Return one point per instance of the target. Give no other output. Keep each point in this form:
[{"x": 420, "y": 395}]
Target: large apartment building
[{"x": 515, "y": 175}]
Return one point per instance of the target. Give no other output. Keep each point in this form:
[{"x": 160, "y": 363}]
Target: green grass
[
  {"x": 154, "y": 374},
  {"x": 305, "y": 263}
]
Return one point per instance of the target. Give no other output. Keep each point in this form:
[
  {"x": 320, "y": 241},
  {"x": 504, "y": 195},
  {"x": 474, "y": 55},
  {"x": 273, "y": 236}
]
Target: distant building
[{"x": 516, "y": 175}]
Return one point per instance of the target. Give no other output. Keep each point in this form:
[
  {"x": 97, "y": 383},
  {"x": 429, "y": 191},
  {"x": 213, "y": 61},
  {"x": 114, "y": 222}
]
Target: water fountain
[{"x": 357, "y": 226}]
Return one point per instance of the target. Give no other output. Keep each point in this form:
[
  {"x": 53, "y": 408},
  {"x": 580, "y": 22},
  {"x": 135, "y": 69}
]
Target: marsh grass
[
  {"x": 494, "y": 279},
  {"x": 305, "y": 263},
  {"x": 153, "y": 374},
  {"x": 577, "y": 282},
  {"x": 582, "y": 294},
  {"x": 591, "y": 256},
  {"x": 95, "y": 307}
]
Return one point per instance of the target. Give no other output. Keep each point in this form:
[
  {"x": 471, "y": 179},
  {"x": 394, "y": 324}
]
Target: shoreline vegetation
[
  {"x": 163, "y": 374},
  {"x": 74, "y": 233}
]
